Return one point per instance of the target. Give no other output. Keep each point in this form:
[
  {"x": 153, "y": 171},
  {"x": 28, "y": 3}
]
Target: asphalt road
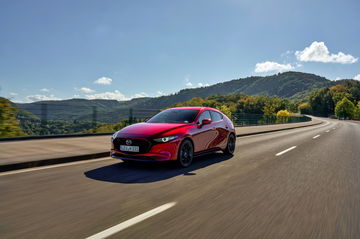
[{"x": 288, "y": 184}]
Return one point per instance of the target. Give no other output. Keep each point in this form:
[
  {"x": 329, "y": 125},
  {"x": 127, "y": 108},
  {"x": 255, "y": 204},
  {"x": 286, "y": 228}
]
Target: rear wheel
[
  {"x": 230, "y": 147},
  {"x": 185, "y": 154}
]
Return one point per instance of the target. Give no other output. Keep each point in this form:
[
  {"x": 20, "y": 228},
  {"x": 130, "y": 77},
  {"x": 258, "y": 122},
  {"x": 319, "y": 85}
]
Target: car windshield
[{"x": 174, "y": 116}]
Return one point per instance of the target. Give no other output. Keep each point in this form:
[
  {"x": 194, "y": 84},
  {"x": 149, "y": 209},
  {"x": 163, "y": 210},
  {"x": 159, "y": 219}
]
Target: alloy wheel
[{"x": 186, "y": 154}]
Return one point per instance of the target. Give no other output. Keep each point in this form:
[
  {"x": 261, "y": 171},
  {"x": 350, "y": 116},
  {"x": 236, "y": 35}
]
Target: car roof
[{"x": 194, "y": 108}]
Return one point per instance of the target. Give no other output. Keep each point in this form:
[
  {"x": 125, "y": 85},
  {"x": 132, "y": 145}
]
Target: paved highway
[{"x": 300, "y": 183}]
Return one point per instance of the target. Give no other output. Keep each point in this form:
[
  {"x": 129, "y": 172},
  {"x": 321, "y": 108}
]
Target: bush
[
  {"x": 282, "y": 116},
  {"x": 282, "y": 113},
  {"x": 345, "y": 109}
]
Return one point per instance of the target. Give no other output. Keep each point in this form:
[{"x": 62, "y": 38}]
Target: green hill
[{"x": 287, "y": 85}]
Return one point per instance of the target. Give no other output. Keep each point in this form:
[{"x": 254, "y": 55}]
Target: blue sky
[{"x": 125, "y": 49}]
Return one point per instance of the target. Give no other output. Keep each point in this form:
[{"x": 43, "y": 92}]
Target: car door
[
  {"x": 205, "y": 134},
  {"x": 221, "y": 131}
]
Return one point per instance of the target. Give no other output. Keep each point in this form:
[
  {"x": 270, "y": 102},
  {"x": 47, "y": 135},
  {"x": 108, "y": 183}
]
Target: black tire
[
  {"x": 230, "y": 147},
  {"x": 185, "y": 154}
]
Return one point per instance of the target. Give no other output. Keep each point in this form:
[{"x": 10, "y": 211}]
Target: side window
[
  {"x": 204, "y": 115},
  {"x": 216, "y": 116}
]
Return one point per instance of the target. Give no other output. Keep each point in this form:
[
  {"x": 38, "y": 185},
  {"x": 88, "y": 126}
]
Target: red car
[{"x": 176, "y": 134}]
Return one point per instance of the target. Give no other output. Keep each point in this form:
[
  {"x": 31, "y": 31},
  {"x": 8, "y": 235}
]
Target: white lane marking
[
  {"x": 316, "y": 136},
  {"x": 119, "y": 227},
  {"x": 327, "y": 131},
  {"x": 51, "y": 166},
  {"x": 285, "y": 151}
]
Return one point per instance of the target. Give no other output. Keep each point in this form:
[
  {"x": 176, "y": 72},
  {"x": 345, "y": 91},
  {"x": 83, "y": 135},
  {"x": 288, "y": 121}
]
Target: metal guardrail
[{"x": 243, "y": 119}]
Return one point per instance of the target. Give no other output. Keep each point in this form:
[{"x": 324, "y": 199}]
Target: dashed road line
[
  {"x": 121, "y": 226},
  {"x": 285, "y": 151},
  {"x": 316, "y": 136},
  {"x": 327, "y": 131}
]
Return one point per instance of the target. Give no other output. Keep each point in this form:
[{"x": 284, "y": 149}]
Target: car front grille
[{"x": 144, "y": 145}]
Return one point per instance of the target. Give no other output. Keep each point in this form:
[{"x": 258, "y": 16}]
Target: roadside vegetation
[
  {"x": 240, "y": 103},
  {"x": 342, "y": 101},
  {"x": 9, "y": 125}
]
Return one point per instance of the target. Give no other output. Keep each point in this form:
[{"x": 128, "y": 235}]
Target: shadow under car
[{"x": 141, "y": 172}]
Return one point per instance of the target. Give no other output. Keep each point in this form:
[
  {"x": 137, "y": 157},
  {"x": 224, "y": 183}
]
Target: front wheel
[
  {"x": 230, "y": 147},
  {"x": 185, "y": 154}
]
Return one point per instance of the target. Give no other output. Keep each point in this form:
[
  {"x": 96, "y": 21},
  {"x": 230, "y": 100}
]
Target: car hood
[{"x": 148, "y": 129}]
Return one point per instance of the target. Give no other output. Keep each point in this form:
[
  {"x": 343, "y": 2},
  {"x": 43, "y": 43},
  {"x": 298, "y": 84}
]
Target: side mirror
[{"x": 206, "y": 121}]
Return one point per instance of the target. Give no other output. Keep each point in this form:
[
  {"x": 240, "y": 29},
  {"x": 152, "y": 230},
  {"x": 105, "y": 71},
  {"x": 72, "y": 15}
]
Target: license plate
[{"x": 129, "y": 148}]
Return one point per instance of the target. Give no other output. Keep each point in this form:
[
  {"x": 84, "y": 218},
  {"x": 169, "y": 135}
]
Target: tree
[
  {"x": 305, "y": 108},
  {"x": 345, "y": 109},
  {"x": 357, "y": 111},
  {"x": 250, "y": 105},
  {"x": 9, "y": 126},
  {"x": 269, "y": 109},
  {"x": 226, "y": 110},
  {"x": 340, "y": 95},
  {"x": 339, "y": 88},
  {"x": 321, "y": 102}
]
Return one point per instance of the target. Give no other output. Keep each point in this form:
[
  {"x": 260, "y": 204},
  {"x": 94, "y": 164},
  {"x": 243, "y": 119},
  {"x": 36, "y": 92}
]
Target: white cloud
[
  {"x": 318, "y": 52},
  {"x": 140, "y": 95},
  {"x": 272, "y": 66},
  {"x": 160, "y": 93},
  {"x": 86, "y": 90},
  {"x": 33, "y": 98},
  {"x": 188, "y": 82},
  {"x": 103, "y": 81},
  {"x": 13, "y": 94},
  {"x": 337, "y": 78},
  {"x": 357, "y": 77},
  {"x": 44, "y": 90},
  {"x": 116, "y": 95},
  {"x": 203, "y": 84}
]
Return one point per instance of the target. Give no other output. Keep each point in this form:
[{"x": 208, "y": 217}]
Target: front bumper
[{"x": 158, "y": 152}]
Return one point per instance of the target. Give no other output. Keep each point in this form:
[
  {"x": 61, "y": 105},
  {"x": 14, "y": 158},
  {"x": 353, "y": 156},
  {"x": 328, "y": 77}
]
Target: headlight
[
  {"x": 114, "y": 136},
  {"x": 165, "y": 139}
]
